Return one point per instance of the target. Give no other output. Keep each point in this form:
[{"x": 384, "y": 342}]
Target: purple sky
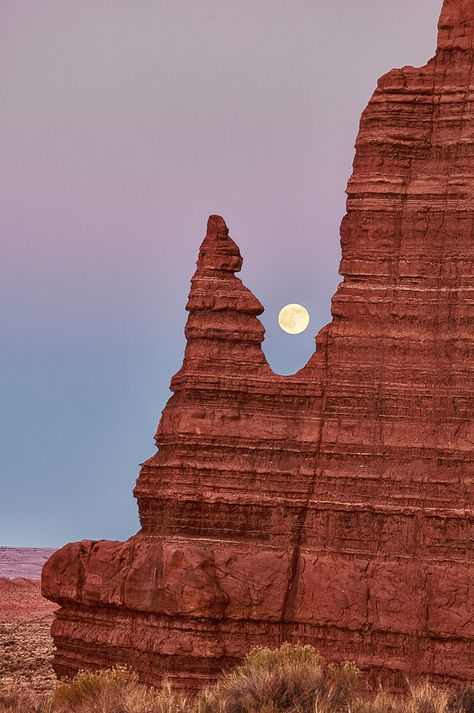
[{"x": 123, "y": 125}]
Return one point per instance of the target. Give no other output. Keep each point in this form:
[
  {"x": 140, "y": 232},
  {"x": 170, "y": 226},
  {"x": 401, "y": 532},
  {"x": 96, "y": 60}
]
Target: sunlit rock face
[{"x": 332, "y": 507}]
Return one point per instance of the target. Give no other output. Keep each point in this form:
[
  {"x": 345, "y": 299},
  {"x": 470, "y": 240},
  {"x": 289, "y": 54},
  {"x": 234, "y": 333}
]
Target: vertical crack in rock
[
  {"x": 290, "y": 595},
  {"x": 335, "y": 506}
]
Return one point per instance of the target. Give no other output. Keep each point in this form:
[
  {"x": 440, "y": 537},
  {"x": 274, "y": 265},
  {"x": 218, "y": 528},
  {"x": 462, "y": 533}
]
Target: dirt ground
[{"x": 26, "y": 647}]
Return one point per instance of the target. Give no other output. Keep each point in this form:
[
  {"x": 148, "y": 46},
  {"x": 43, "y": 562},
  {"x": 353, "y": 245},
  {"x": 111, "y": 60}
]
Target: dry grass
[
  {"x": 291, "y": 679},
  {"x": 421, "y": 698},
  {"x": 114, "y": 691}
]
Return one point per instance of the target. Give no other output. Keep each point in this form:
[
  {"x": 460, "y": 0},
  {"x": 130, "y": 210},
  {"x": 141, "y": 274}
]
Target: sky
[{"x": 124, "y": 124}]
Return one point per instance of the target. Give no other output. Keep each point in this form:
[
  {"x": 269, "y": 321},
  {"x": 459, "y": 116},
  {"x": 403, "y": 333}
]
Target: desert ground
[{"x": 26, "y": 646}]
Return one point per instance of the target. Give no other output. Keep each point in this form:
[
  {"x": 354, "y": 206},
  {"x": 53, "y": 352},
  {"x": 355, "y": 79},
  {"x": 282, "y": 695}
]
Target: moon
[{"x": 293, "y": 318}]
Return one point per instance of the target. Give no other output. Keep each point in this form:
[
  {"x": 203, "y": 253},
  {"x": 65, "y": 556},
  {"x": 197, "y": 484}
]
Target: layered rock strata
[{"x": 336, "y": 506}]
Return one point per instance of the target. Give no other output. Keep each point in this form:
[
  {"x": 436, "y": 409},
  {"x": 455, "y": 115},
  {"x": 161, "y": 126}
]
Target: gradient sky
[{"x": 123, "y": 125}]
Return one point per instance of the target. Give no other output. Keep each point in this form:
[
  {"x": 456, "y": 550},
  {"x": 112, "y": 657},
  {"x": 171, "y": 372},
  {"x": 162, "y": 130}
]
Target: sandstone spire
[
  {"x": 222, "y": 311},
  {"x": 335, "y": 506}
]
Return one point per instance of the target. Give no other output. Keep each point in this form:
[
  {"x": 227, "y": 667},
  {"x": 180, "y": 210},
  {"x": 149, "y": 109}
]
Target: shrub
[
  {"x": 421, "y": 698},
  {"x": 115, "y": 690},
  {"x": 462, "y": 700},
  {"x": 291, "y": 678},
  {"x": 425, "y": 698},
  {"x": 382, "y": 702},
  {"x": 90, "y": 686}
]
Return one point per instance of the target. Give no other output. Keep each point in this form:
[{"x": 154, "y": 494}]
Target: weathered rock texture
[{"x": 334, "y": 506}]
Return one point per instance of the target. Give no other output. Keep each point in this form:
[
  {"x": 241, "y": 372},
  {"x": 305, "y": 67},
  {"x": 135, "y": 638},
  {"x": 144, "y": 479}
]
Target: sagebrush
[{"x": 290, "y": 679}]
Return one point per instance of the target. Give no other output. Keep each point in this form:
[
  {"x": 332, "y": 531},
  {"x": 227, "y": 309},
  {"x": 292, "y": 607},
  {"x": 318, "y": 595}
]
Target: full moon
[{"x": 293, "y": 318}]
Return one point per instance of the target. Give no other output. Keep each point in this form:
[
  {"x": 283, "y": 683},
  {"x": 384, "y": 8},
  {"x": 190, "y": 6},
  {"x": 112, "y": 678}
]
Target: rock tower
[{"x": 336, "y": 506}]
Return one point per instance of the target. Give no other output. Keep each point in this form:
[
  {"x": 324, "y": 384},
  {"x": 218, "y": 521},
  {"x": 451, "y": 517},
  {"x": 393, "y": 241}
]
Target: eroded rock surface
[{"x": 335, "y": 506}]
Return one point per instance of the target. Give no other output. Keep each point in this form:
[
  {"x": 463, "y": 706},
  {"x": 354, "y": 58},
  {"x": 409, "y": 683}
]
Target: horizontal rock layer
[{"x": 335, "y": 506}]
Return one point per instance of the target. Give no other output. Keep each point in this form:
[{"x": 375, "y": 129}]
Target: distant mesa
[
  {"x": 24, "y": 562},
  {"x": 335, "y": 506}
]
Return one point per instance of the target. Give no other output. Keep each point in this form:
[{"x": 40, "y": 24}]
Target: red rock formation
[{"x": 334, "y": 506}]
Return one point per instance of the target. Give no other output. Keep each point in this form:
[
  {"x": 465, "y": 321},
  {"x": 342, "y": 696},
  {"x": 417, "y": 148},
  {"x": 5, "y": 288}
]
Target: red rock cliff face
[{"x": 335, "y": 506}]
